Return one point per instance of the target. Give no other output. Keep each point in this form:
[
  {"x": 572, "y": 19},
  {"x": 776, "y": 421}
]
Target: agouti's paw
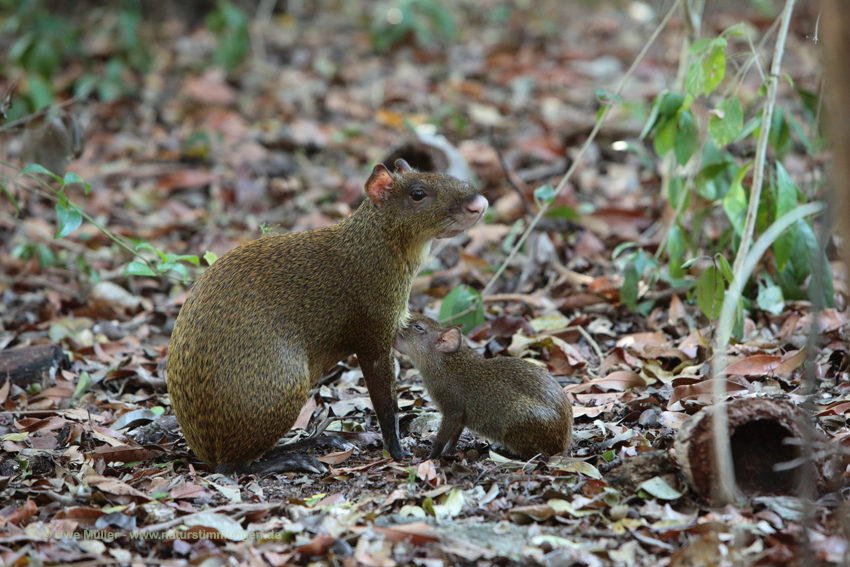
[{"x": 397, "y": 453}]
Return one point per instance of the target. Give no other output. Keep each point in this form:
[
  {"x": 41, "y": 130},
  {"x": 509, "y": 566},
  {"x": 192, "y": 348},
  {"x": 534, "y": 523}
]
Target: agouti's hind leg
[{"x": 283, "y": 463}]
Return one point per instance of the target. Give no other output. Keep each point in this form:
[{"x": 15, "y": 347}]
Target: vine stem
[
  {"x": 761, "y": 148},
  {"x": 59, "y": 197},
  {"x": 692, "y": 15},
  {"x": 582, "y": 151},
  {"x": 723, "y": 491}
]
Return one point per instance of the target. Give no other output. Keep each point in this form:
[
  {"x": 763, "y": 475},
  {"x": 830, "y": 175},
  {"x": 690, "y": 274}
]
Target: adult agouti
[
  {"x": 263, "y": 323},
  {"x": 507, "y": 400}
]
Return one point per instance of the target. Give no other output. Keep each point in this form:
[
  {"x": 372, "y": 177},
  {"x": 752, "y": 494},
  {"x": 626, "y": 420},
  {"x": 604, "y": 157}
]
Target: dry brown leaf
[
  {"x": 756, "y": 365},
  {"x": 335, "y": 458},
  {"x": 638, "y": 341},
  {"x": 122, "y": 453},
  {"x": 790, "y": 362},
  {"x": 116, "y": 487},
  {"x": 701, "y": 392},
  {"x": 189, "y": 491},
  {"x": 620, "y": 381},
  {"x": 426, "y": 471},
  {"x": 25, "y": 512}
]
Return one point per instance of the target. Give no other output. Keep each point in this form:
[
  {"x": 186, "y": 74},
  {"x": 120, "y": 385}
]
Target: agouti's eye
[
  {"x": 417, "y": 194},
  {"x": 418, "y": 328}
]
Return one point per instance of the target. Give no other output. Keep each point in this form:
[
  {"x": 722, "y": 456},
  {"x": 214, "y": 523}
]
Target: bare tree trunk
[{"x": 834, "y": 29}]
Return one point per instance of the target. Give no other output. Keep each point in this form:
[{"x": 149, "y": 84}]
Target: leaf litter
[{"x": 94, "y": 469}]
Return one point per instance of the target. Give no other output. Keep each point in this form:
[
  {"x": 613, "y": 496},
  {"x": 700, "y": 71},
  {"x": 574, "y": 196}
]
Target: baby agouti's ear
[
  {"x": 402, "y": 166},
  {"x": 379, "y": 183},
  {"x": 450, "y": 340}
]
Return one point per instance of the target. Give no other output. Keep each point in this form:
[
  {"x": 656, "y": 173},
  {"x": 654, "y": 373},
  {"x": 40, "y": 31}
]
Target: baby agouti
[
  {"x": 507, "y": 400},
  {"x": 263, "y": 323}
]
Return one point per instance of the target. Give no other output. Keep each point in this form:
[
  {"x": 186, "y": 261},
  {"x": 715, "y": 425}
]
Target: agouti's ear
[
  {"x": 450, "y": 340},
  {"x": 402, "y": 166},
  {"x": 379, "y": 183}
]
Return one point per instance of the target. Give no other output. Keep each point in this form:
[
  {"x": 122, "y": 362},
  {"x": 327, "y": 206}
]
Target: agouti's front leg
[
  {"x": 450, "y": 429},
  {"x": 379, "y": 373}
]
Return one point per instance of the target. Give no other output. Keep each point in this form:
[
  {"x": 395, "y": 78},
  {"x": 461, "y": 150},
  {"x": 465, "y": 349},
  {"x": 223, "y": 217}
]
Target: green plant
[
  {"x": 426, "y": 20},
  {"x": 712, "y": 176},
  {"x": 46, "y": 42},
  {"x": 230, "y": 26},
  {"x": 462, "y": 307},
  {"x": 70, "y": 217}
]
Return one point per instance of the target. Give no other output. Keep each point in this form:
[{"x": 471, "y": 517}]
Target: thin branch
[
  {"x": 761, "y": 149},
  {"x": 510, "y": 179},
  {"x": 582, "y": 151}
]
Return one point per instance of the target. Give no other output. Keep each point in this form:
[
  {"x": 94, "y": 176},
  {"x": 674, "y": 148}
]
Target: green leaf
[
  {"x": 147, "y": 246},
  {"x": 671, "y": 104},
  {"x": 563, "y": 212},
  {"x": 780, "y": 133},
  {"x": 770, "y": 298},
  {"x": 786, "y": 200},
  {"x": 714, "y": 66},
  {"x": 191, "y": 258},
  {"x": 69, "y": 220},
  {"x": 687, "y": 137},
  {"x": 11, "y": 198},
  {"x": 621, "y": 247},
  {"x": 544, "y": 195},
  {"x": 658, "y": 487},
  {"x": 724, "y": 129},
  {"x": 735, "y": 202},
  {"x": 606, "y": 97},
  {"x": 510, "y": 239},
  {"x": 711, "y": 292},
  {"x": 676, "y": 246},
  {"x": 72, "y": 177},
  {"x": 83, "y": 385},
  {"x": 210, "y": 257},
  {"x": 700, "y": 46},
  {"x": 628, "y": 293},
  {"x": 40, "y": 90},
  {"x": 750, "y": 127},
  {"x": 665, "y": 136},
  {"x": 695, "y": 79},
  {"x": 795, "y": 125},
  {"x": 800, "y": 265},
  {"x": 725, "y": 267},
  {"x": 136, "y": 268},
  {"x": 654, "y": 112},
  {"x": 174, "y": 266},
  {"x": 36, "y": 168},
  {"x": 459, "y": 300},
  {"x": 712, "y": 180},
  {"x": 676, "y": 192}
]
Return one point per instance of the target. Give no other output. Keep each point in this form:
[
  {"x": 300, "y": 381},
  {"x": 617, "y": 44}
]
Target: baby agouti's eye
[
  {"x": 418, "y": 328},
  {"x": 417, "y": 194}
]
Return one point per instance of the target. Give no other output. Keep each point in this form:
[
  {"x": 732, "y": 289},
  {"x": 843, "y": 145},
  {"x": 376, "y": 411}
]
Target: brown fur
[
  {"x": 266, "y": 319},
  {"x": 507, "y": 400}
]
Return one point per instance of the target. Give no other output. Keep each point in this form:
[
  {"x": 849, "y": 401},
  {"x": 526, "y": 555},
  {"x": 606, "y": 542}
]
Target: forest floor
[{"x": 190, "y": 157}]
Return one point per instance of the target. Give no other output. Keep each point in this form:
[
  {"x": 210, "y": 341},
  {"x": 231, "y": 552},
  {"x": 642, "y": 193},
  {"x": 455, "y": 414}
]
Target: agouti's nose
[{"x": 477, "y": 206}]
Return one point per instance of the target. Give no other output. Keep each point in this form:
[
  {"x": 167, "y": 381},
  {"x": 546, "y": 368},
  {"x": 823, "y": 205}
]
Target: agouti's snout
[
  {"x": 477, "y": 207},
  {"x": 472, "y": 211}
]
